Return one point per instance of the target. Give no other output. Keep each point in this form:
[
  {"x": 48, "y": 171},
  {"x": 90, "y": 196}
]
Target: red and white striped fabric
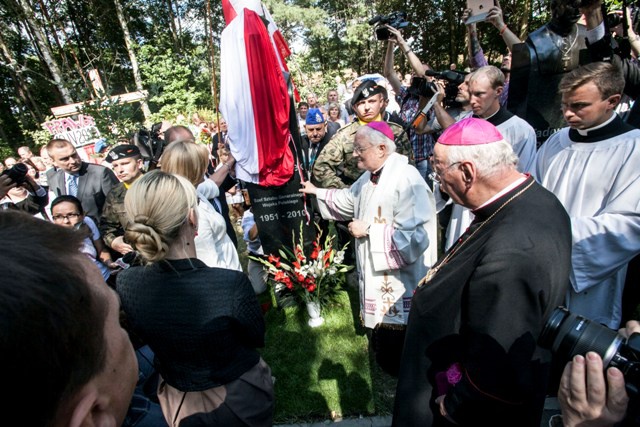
[{"x": 253, "y": 96}]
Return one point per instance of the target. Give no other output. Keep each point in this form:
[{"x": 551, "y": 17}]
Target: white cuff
[{"x": 596, "y": 33}]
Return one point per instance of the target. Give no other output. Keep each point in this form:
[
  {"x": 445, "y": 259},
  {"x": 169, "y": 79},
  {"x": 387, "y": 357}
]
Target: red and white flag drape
[{"x": 253, "y": 93}]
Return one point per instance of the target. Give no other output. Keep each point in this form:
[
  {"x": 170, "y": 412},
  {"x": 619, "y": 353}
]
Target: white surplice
[
  {"x": 599, "y": 185},
  {"x": 401, "y": 245}
]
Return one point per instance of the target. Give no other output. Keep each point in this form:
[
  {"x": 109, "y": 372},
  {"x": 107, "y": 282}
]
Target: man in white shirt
[{"x": 592, "y": 167}]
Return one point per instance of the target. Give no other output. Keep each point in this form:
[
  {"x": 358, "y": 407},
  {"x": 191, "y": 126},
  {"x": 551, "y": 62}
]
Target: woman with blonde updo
[
  {"x": 213, "y": 245},
  {"x": 203, "y": 324}
]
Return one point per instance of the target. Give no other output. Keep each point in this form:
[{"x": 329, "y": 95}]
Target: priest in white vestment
[
  {"x": 393, "y": 219},
  {"x": 593, "y": 167}
]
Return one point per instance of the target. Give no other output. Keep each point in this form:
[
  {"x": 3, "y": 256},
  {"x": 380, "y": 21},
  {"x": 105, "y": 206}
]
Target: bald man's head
[{"x": 178, "y": 133}]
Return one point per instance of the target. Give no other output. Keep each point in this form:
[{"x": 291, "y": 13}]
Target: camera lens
[
  {"x": 567, "y": 335},
  {"x": 613, "y": 20},
  {"x": 382, "y": 33},
  {"x": 17, "y": 173}
]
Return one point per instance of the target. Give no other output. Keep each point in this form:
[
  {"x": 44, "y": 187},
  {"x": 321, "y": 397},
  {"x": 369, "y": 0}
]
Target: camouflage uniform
[
  {"x": 113, "y": 221},
  {"x": 336, "y": 167}
]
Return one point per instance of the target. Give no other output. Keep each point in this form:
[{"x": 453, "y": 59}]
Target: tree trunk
[
  {"x": 47, "y": 55},
  {"x": 172, "y": 26},
  {"x": 21, "y": 87},
  {"x": 72, "y": 50},
  {"x": 132, "y": 57},
  {"x": 523, "y": 25}
]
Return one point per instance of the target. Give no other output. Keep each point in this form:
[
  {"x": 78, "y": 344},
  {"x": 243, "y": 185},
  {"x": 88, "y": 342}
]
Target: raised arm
[
  {"x": 496, "y": 18},
  {"x": 389, "y": 72},
  {"x": 396, "y": 37}
]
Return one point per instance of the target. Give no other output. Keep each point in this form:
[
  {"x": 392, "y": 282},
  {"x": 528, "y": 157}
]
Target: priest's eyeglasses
[
  {"x": 360, "y": 150},
  {"x": 435, "y": 175}
]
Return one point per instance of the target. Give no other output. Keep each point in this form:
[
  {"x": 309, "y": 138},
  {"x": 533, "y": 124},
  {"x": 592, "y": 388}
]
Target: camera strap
[{"x": 420, "y": 115}]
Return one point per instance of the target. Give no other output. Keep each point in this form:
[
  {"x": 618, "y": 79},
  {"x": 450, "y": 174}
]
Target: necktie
[
  {"x": 73, "y": 186},
  {"x": 312, "y": 154},
  {"x": 216, "y": 205}
]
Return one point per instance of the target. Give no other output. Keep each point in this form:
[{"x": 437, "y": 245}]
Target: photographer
[
  {"x": 409, "y": 99},
  {"x": 19, "y": 191},
  {"x": 589, "y": 396}
]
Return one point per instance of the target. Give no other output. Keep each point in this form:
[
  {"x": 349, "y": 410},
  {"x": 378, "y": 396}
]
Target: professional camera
[
  {"x": 567, "y": 335},
  {"x": 613, "y": 19},
  {"x": 150, "y": 144},
  {"x": 396, "y": 20},
  {"x": 17, "y": 173},
  {"x": 422, "y": 87},
  {"x": 451, "y": 76}
]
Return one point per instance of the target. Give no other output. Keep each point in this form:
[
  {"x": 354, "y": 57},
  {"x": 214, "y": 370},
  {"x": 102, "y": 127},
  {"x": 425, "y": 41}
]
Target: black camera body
[
  {"x": 422, "y": 87},
  {"x": 567, "y": 335},
  {"x": 450, "y": 76},
  {"x": 150, "y": 143},
  {"x": 17, "y": 173},
  {"x": 397, "y": 20}
]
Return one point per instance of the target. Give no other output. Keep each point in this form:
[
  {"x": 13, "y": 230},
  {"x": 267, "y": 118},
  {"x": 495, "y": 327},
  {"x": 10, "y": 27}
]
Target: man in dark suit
[
  {"x": 88, "y": 182},
  {"x": 315, "y": 138},
  {"x": 219, "y": 140},
  {"x": 317, "y": 135}
]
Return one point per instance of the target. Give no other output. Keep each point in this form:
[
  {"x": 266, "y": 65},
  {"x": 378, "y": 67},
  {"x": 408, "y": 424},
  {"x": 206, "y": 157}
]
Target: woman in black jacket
[{"x": 203, "y": 324}]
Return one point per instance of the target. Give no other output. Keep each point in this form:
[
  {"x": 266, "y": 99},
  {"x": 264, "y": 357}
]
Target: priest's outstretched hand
[{"x": 308, "y": 188}]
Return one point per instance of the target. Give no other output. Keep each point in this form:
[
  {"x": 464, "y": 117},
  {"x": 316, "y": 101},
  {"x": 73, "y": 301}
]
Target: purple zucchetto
[
  {"x": 470, "y": 131},
  {"x": 383, "y": 128}
]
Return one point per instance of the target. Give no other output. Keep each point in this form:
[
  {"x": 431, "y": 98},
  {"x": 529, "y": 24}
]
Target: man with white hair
[
  {"x": 470, "y": 355},
  {"x": 392, "y": 218},
  {"x": 486, "y": 85}
]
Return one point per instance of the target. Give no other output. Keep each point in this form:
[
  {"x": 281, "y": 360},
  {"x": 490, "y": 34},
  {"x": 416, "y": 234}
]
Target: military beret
[
  {"x": 122, "y": 152},
  {"x": 314, "y": 117},
  {"x": 367, "y": 89}
]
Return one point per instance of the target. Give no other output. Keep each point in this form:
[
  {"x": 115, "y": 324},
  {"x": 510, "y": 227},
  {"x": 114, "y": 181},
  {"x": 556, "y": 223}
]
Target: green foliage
[
  {"x": 329, "y": 38},
  {"x": 38, "y": 137},
  {"x": 176, "y": 84},
  {"x": 113, "y": 119}
]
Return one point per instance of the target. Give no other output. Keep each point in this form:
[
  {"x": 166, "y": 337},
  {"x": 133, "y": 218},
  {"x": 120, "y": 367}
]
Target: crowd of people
[{"x": 468, "y": 228}]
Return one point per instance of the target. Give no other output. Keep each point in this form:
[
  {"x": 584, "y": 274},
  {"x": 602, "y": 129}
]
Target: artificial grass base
[{"x": 325, "y": 372}]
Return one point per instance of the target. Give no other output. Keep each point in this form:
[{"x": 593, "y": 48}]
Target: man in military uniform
[
  {"x": 336, "y": 167},
  {"x": 127, "y": 165}
]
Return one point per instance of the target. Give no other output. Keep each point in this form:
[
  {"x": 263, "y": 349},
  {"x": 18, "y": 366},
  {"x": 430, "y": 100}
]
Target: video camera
[
  {"x": 567, "y": 335},
  {"x": 150, "y": 144},
  {"x": 396, "y": 20},
  {"x": 422, "y": 87},
  {"x": 449, "y": 75}
]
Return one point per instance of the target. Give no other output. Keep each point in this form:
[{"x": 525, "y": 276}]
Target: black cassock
[{"x": 484, "y": 310}]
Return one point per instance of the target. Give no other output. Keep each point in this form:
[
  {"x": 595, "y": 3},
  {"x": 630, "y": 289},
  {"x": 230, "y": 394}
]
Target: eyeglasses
[
  {"x": 60, "y": 218},
  {"x": 435, "y": 176},
  {"x": 359, "y": 150}
]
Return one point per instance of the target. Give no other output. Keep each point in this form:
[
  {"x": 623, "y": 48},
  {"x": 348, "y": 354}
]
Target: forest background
[{"x": 170, "y": 48}]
